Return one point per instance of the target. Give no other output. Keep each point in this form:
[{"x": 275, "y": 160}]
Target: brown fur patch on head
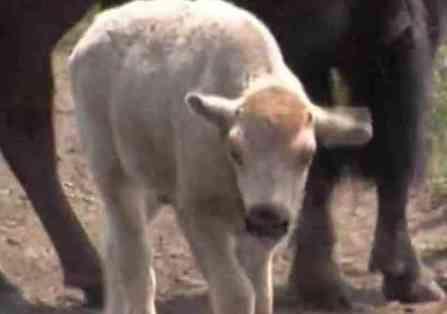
[{"x": 278, "y": 108}]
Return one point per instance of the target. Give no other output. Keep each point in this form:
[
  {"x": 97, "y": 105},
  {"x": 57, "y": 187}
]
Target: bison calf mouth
[{"x": 267, "y": 221}]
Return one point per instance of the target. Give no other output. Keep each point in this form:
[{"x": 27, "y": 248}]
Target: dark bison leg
[
  {"x": 315, "y": 279},
  {"x": 6, "y": 286},
  {"x": 30, "y": 31},
  {"x": 27, "y": 142},
  {"x": 405, "y": 278},
  {"x": 397, "y": 89},
  {"x": 111, "y": 3}
]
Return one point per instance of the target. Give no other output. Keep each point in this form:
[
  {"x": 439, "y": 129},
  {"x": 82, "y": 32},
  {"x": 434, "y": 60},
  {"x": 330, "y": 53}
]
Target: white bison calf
[{"x": 191, "y": 104}]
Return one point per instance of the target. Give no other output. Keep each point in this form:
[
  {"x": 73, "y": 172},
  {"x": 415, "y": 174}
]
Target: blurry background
[{"x": 29, "y": 260}]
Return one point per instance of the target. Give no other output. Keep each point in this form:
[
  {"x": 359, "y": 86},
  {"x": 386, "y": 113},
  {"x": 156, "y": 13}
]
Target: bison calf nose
[{"x": 267, "y": 221}]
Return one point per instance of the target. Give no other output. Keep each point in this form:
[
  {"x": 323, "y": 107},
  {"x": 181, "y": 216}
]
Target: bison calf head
[{"x": 270, "y": 136}]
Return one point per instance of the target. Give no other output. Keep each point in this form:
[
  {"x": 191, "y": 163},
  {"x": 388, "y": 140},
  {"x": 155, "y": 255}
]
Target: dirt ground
[{"x": 29, "y": 260}]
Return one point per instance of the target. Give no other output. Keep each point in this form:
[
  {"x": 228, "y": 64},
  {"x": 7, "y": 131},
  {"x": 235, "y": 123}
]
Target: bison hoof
[
  {"x": 332, "y": 302},
  {"x": 90, "y": 284},
  {"x": 332, "y": 295},
  {"x": 93, "y": 296},
  {"x": 332, "y": 298},
  {"x": 410, "y": 290}
]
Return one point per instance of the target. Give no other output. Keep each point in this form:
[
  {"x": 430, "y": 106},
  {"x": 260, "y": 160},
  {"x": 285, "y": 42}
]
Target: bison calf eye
[
  {"x": 236, "y": 157},
  {"x": 305, "y": 157}
]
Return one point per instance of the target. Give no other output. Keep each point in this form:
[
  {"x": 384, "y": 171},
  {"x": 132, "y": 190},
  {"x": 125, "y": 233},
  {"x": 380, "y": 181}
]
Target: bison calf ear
[
  {"x": 216, "y": 110},
  {"x": 343, "y": 126}
]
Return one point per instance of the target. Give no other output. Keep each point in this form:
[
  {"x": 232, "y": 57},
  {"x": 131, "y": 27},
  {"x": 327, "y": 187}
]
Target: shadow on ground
[
  {"x": 13, "y": 303},
  {"x": 191, "y": 302}
]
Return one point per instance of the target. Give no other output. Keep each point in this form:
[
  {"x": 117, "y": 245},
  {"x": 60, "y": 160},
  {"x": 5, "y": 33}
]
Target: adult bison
[{"x": 384, "y": 51}]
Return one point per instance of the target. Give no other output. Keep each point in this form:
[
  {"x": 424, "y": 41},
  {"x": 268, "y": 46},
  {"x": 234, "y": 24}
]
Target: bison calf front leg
[
  {"x": 214, "y": 247},
  {"x": 256, "y": 259}
]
